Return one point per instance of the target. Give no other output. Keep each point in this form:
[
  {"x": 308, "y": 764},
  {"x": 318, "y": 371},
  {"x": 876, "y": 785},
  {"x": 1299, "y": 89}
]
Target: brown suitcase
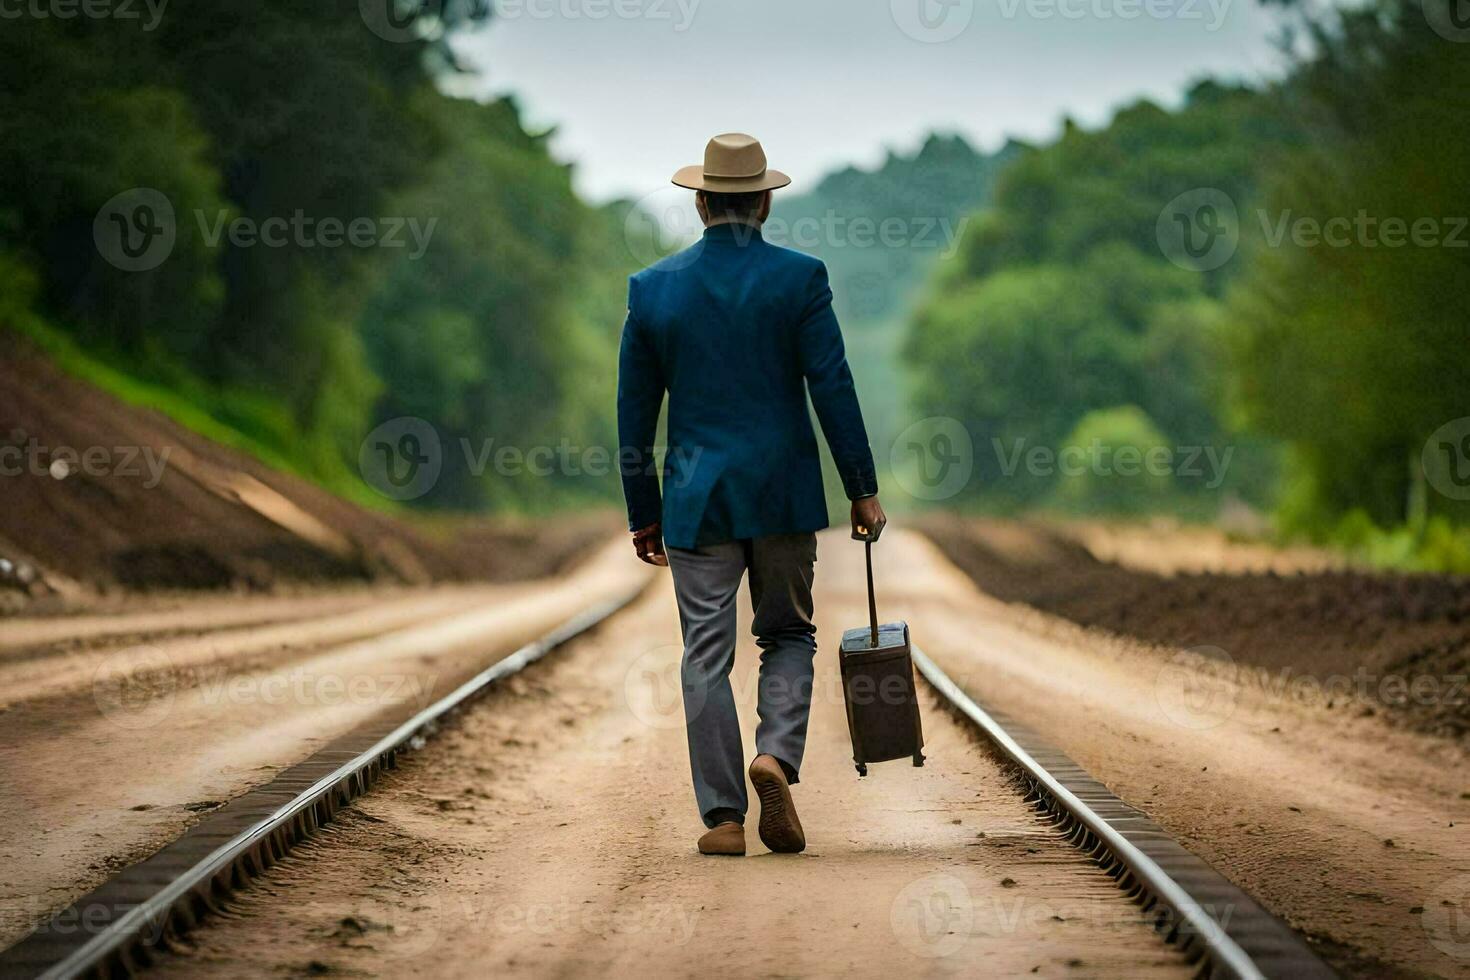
[{"x": 878, "y": 688}]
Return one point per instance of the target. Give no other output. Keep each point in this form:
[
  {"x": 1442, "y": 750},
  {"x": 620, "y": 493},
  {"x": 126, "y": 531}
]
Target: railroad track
[{"x": 117, "y": 929}]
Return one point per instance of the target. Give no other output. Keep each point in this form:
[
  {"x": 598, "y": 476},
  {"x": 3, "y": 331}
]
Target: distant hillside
[{"x": 880, "y": 231}]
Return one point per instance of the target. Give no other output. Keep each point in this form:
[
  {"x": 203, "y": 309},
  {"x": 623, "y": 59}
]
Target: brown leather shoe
[
  {"x": 727, "y": 838},
  {"x": 780, "y": 829}
]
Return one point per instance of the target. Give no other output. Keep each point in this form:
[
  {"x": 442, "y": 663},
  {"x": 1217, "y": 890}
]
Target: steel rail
[
  {"x": 112, "y": 946},
  {"x": 145, "y": 909},
  {"x": 1118, "y": 843}
]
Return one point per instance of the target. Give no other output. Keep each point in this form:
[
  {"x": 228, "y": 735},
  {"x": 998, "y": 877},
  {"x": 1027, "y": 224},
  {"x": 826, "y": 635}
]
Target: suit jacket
[{"x": 738, "y": 332}]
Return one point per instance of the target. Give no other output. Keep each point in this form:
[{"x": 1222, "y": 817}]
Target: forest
[
  {"x": 299, "y": 122},
  {"x": 1266, "y": 278},
  {"x": 1319, "y": 343}
]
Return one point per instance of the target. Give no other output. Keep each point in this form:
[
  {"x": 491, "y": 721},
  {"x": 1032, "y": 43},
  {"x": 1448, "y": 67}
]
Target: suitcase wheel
[
  {"x": 918, "y": 758},
  {"x": 862, "y": 769}
]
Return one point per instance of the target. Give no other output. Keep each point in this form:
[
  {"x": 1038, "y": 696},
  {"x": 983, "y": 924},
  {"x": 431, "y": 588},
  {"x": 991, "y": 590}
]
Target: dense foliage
[
  {"x": 1060, "y": 302},
  {"x": 1322, "y": 354},
  {"x": 926, "y": 199},
  {"x": 1352, "y": 345},
  {"x": 466, "y": 301}
]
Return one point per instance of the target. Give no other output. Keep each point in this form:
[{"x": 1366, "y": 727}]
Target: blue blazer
[{"x": 738, "y": 332}]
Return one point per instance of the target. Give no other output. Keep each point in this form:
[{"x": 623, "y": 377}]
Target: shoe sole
[{"x": 779, "y": 827}]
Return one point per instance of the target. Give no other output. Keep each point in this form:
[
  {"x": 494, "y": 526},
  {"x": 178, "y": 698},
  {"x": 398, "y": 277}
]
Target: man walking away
[{"x": 738, "y": 333}]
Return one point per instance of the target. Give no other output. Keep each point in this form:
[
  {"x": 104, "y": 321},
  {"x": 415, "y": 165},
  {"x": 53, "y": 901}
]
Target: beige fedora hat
[{"x": 734, "y": 163}]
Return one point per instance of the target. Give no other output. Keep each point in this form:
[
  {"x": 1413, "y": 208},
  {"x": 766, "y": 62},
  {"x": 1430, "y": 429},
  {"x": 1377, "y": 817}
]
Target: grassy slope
[{"x": 239, "y": 419}]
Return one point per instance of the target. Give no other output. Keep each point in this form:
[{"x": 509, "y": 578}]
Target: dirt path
[
  {"x": 550, "y": 830},
  {"x": 1353, "y": 830},
  {"x": 550, "y": 833},
  {"x": 113, "y": 748}
]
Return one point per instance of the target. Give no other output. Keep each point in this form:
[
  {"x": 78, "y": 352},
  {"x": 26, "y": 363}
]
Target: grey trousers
[{"x": 706, "y": 581}]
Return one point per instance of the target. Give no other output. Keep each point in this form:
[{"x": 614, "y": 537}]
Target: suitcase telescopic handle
[{"x": 872, "y": 599}]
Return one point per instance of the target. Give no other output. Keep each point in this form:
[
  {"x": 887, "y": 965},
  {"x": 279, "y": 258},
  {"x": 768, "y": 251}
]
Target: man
[{"x": 738, "y": 332}]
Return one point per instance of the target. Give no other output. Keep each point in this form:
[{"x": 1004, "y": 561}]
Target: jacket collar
[{"x": 733, "y": 232}]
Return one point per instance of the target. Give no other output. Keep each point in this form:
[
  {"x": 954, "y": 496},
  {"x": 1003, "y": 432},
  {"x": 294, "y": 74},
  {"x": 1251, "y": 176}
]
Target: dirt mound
[
  {"x": 1399, "y": 641},
  {"x": 101, "y": 495}
]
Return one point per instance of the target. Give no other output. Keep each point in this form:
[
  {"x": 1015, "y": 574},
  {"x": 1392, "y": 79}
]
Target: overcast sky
[{"x": 636, "y": 87}]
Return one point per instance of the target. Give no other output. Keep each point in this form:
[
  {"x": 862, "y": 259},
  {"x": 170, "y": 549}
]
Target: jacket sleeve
[
  {"x": 640, "y": 395},
  {"x": 829, "y": 382}
]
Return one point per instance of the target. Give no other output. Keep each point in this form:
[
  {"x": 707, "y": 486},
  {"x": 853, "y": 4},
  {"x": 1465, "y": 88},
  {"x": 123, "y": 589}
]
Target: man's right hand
[
  {"x": 868, "y": 519},
  {"x": 648, "y": 542}
]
